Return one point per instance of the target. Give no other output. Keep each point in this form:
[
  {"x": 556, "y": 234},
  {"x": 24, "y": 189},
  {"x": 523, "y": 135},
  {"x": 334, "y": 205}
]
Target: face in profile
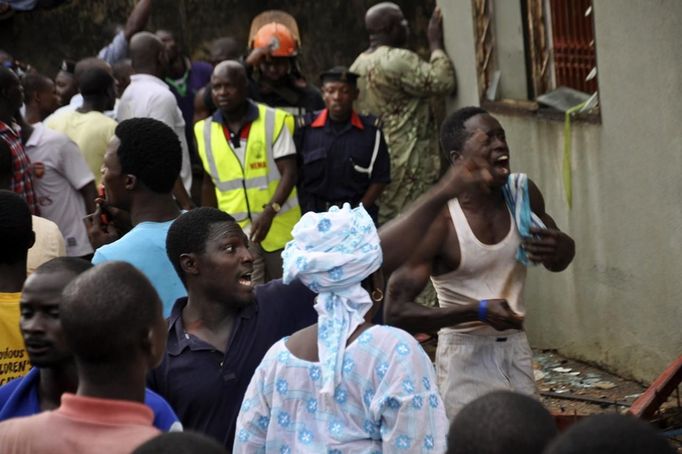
[
  {"x": 226, "y": 264},
  {"x": 66, "y": 87},
  {"x": 495, "y": 148},
  {"x": 113, "y": 179}
]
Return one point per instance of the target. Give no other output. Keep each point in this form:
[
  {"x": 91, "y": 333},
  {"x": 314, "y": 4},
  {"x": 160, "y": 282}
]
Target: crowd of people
[{"x": 224, "y": 256}]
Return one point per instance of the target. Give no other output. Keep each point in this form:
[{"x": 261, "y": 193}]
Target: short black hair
[
  {"x": 151, "y": 151},
  {"x": 106, "y": 311},
  {"x": 180, "y": 443},
  {"x": 95, "y": 81},
  {"x": 189, "y": 233},
  {"x": 7, "y": 77},
  {"x": 73, "y": 265},
  {"x": 87, "y": 63},
  {"x": 501, "y": 422},
  {"x": 16, "y": 228},
  {"x": 611, "y": 434},
  {"x": 33, "y": 83},
  {"x": 452, "y": 131}
]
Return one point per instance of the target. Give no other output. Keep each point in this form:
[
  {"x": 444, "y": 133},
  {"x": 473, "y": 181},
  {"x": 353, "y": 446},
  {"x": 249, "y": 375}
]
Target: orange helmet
[{"x": 274, "y": 34}]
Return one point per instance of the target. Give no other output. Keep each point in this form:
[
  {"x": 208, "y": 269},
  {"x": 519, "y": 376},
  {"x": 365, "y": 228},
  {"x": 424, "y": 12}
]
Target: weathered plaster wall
[
  {"x": 332, "y": 31},
  {"x": 618, "y": 304}
]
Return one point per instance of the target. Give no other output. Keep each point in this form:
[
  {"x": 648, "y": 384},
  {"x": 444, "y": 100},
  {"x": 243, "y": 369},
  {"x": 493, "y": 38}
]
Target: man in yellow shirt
[
  {"x": 16, "y": 237},
  {"x": 87, "y": 125}
]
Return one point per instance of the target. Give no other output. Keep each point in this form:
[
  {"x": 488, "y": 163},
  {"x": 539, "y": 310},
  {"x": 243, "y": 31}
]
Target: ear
[
  {"x": 455, "y": 156},
  {"x": 162, "y": 57},
  {"x": 189, "y": 264},
  {"x": 32, "y": 240},
  {"x": 131, "y": 182},
  {"x": 154, "y": 345}
]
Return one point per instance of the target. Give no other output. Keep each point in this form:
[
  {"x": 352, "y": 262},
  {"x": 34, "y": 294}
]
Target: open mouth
[
  {"x": 245, "y": 279},
  {"x": 501, "y": 165}
]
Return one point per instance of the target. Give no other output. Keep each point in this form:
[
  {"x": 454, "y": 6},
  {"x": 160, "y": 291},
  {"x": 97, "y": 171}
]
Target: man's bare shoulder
[{"x": 447, "y": 257}]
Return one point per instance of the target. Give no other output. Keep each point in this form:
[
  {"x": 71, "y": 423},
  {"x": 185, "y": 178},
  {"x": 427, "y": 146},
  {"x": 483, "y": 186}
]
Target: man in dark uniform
[{"x": 342, "y": 156}]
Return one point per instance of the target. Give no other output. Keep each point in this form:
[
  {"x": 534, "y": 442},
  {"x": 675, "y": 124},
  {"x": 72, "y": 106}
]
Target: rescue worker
[
  {"x": 276, "y": 78},
  {"x": 249, "y": 159},
  {"x": 342, "y": 156}
]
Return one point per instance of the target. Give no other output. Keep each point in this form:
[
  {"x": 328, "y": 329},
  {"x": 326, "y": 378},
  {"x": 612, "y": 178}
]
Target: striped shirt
[{"x": 21, "y": 182}]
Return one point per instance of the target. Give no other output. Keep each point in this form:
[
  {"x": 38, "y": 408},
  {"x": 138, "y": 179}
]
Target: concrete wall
[{"x": 618, "y": 304}]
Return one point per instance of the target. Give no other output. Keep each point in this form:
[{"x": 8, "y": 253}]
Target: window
[{"x": 529, "y": 48}]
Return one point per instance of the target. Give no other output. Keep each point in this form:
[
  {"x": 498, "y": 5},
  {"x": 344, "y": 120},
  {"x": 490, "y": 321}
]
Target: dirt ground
[
  {"x": 565, "y": 386},
  {"x": 573, "y": 389},
  {"x": 564, "y": 382}
]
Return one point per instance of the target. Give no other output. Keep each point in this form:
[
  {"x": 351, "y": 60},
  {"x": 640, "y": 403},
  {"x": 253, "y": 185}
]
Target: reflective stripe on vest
[
  {"x": 239, "y": 183},
  {"x": 256, "y": 190}
]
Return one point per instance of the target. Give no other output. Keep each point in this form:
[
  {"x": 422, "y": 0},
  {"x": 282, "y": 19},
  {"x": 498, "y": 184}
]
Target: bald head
[
  {"x": 231, "y": 69},
  {"x": 229, "y": 86},
  {"x": 381, "y": 16},
  {"x": 146, "y": 52},
  {"x": 386, "y": 24}
]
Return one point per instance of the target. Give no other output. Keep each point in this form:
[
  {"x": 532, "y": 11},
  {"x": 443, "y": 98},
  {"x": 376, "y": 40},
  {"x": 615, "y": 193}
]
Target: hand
[
  {"x": 434, "y": 31},
  {"x": 100, "y": 234},
  {"x": 551, "y": 247},
  {"x": 258, "y": 55},
  {"x": 501, "y": 317},
  {"x": 261, "y": 226}
]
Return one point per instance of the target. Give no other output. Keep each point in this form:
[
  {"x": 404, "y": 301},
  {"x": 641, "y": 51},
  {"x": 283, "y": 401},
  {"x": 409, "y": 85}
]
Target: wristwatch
[{"x": 275, "y": 206}]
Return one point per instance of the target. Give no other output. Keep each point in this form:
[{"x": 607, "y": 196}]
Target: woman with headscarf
[{"x": 342, "y": 385}]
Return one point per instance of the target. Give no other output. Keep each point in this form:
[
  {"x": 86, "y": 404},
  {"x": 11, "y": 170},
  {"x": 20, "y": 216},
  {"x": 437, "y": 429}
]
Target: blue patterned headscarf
[
  {"x": 517, "y": 197},
  {"x": 331, "y": 253}
]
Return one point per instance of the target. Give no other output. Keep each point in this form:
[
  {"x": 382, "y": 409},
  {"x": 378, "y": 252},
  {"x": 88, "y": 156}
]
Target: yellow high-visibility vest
[{"x": 243, "y": 191}]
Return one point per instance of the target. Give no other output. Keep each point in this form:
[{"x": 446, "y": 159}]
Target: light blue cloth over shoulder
[
  {"x": 331, "y": 253},
  {"x": 518, "y": 201}
]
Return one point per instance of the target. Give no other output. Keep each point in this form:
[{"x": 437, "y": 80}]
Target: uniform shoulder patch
[{"x": 302, "y": 121}]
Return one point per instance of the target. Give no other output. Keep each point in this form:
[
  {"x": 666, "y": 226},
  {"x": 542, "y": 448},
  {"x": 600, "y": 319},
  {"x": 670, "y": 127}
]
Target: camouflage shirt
[{"x": 395, "y": 85}]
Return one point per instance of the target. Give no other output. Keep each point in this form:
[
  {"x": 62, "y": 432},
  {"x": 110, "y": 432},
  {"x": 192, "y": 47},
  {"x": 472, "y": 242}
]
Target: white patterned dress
[{"x": 387, "y": 401}]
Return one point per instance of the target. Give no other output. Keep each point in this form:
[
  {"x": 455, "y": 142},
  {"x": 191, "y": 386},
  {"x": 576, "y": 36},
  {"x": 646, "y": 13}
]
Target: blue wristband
[{"x": 483, "y": 310}]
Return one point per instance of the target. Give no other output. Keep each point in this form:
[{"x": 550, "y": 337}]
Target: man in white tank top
[{"x": 469, "y": 253}]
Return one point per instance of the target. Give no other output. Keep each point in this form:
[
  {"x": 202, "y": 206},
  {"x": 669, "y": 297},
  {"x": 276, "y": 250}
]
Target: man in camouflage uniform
[{"x": 395, "y": 85}]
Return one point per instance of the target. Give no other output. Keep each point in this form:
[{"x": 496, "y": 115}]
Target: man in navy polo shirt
[
  {"x": 342, "y": 156},
  {"x": 54, "y": 369},
  {"x": 219, "y": 334}
]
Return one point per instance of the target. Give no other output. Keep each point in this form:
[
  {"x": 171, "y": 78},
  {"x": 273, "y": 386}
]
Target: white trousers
[{"x": 469, "y": 366}]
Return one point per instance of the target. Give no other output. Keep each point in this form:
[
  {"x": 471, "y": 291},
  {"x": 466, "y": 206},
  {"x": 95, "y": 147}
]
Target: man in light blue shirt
[{"x": 141, "y": 164}]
